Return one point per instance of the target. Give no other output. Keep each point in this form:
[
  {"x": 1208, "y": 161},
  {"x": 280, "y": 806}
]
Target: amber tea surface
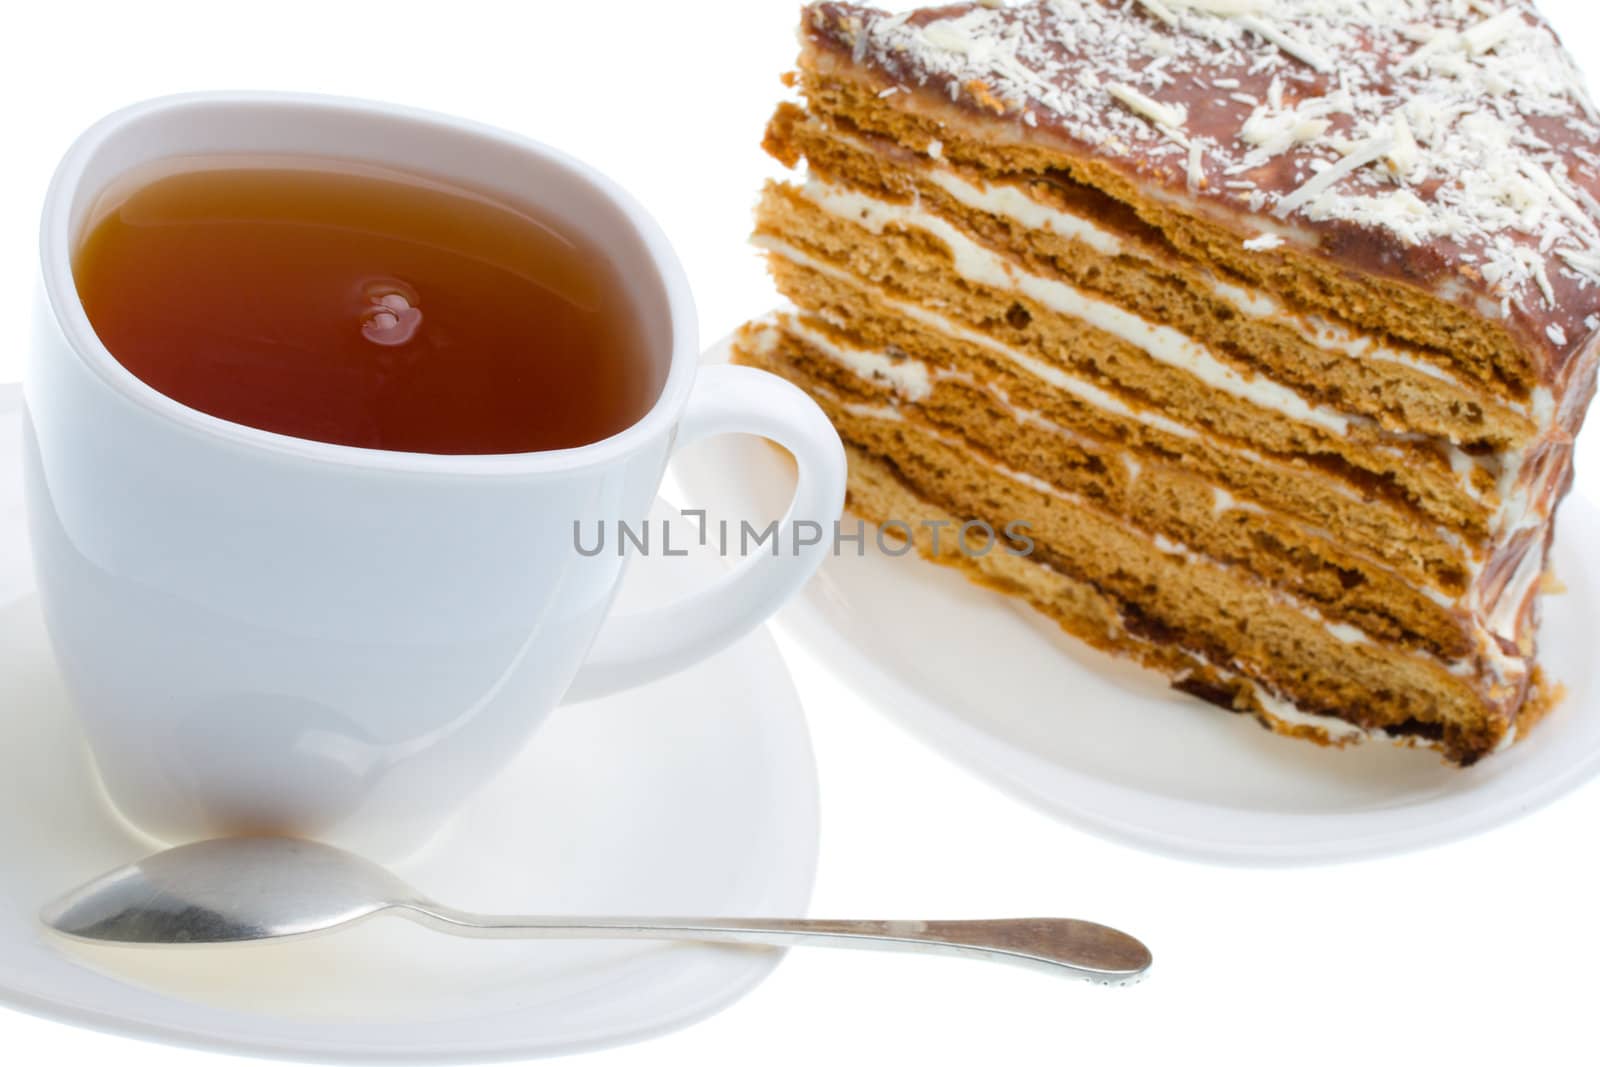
[{"x": 365, "y": 307}]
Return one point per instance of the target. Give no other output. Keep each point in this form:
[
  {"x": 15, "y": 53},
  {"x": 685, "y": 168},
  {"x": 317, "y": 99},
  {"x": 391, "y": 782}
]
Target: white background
[{"x": 1478, "y": 951}]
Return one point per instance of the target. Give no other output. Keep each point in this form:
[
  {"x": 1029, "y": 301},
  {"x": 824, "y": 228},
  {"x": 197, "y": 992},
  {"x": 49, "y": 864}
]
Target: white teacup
[{"x": 267, "y": 633}]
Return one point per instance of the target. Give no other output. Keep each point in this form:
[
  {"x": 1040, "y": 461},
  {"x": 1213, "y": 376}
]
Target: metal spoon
[{"x": 259, "y": 888}]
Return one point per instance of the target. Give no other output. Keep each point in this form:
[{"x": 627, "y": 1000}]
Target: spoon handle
[{"x": 1058, "y": 946}]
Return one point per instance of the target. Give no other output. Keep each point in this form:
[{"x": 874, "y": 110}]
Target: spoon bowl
[{"x": 229, "y": 890}]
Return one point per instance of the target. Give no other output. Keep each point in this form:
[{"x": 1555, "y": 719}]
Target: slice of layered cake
[{"x": 1264, "y": 326}]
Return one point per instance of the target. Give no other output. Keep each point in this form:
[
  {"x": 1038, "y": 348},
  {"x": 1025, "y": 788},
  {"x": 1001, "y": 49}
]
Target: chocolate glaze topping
[{"x": 1449, "y": 143}]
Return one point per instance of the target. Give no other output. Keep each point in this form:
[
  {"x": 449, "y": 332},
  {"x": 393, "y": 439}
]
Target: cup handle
[{"x": 637, "y": 648}]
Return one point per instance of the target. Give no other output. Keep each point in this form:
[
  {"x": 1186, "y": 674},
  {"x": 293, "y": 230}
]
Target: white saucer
[
  {"x": 696, "y": 795},
  {"x": 1108, "y": 746}
]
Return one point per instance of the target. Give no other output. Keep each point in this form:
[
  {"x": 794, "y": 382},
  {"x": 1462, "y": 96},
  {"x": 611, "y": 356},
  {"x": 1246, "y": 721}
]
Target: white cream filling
[
  {"x": 1338, "y": 731},
  {"x": 852, "y": 359},
  {"x": 1335, "y": 730},
  {"x": 1350, "y": 635},
  {"x": 1464, "y": 466},
  {"x": 872, "y": 411},
  {"x": 1163, "y": 343},
  {"x": 908, "y": 377},
  {"x": 1171, "y": 547},
  {"x": 1329, "y": 336},
  {"x": 1010, "y": 202},
  {"x": 1081, "y": 388},
  {"x": 1444, "y": 600},
  {"x": 1223, "y": 501}
]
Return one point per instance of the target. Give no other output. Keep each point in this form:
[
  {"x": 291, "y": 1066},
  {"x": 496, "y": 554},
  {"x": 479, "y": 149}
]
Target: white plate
[
  {"x": 1108, "y": 746},
  {"x": 695, "y": 795}
]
